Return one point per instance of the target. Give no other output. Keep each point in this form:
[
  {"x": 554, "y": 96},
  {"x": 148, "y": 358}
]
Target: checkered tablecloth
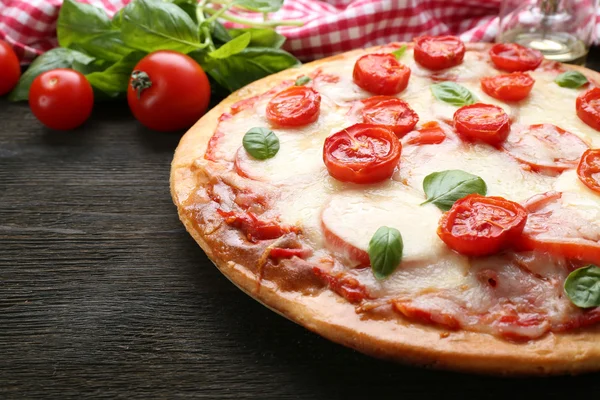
[{"x": 330, "y": 27}]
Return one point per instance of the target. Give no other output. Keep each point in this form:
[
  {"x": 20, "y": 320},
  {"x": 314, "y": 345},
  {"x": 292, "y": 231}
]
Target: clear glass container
[{"x": 562, "y": 30}]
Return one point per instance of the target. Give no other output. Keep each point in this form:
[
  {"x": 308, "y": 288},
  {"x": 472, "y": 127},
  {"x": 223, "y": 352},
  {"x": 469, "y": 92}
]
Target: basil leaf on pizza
[
  {"x": 571, "y": 79},
  {"x": 261, "y": 143},
  {"x": 303, "y": 80},
  {"x": 582, "y": 286},
  {"x": 453, "y": 93},
  {"x": 400, "y": 52},
  {"x": 385, "y": 251},
  {"x": 445, "y": 187}
]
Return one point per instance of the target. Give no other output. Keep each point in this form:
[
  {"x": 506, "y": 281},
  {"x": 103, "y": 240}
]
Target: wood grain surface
[{"x": 103, "y": 294}]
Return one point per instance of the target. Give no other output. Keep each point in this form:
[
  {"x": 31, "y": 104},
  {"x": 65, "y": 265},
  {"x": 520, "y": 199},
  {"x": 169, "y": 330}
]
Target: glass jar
[{"x": 562, "y": 30}]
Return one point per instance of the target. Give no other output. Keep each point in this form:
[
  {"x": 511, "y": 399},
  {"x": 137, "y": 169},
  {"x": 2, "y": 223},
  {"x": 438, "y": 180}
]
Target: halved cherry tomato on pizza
[
  {"x": 588, "y": 107},
  {"x": 430, "y": 133},
  {"x": 362, "y": 153},
  {"x": 295, "y": 106},
  {"x": 439, "y": 52},
  {"x": 545, "y": 147},
  {"x": 381, "y": 74},
  {"x": 560, "y": 230},
  {"x": 513, "y": 57},
  {"x": 484, "y": 122},
  {"x": 10, "y": 69},
  {"x": 390, "y": 111},
  {"x": 478, "y": 226},
  {"x": 588, "y": 169},
  {"x": 508, "y": 87}
]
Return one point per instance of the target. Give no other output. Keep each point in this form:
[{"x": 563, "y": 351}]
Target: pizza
[{"x": 434, "y": 202}]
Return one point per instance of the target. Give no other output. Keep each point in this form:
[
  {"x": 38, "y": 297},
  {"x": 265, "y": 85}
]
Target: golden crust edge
[{"x": 556, "y": 353}]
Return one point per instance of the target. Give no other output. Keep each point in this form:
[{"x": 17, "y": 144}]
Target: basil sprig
[
  {"x": 303, "y": 80},
  {"x": 571, "y": 79},
  {"x": 400, "y": 52},
  {"x": 453, "y": 93},
  {"x": 582, "y": 286},
  {"x": 445, "y": 187},
  {"x": 261, "y": 143},
  {"x": 105, "y": 49},
  {"x": 385, "y": 251}
]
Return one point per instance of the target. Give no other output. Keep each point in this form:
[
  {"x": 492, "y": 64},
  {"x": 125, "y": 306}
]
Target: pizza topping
[
  {"x": 583, "y": 287},
  {"x": 391, "y": 112},
  {"x": 430, "y": 133},
  {"x": 439, "y": 52},
  {"x": 444, "y": 188},
  {"x": 303, "y": 80},
  {"x": 571, "y": 79},
  {"x": 588, "y": 107},
  {"x": 400, "y": 52},
  {"x": 254, "y": 228},
  {"x": 564, "y": 225},
  {"x": 477, "y": 225},
  {"x": 278, "y": 253},
  {"x": 453, "y": 93},
  {"x": 508, "y": 87},
  {"x": 346, "y": 286},
  {"x": 261, "y": 143},
  {"x": 513, "y": 57},
  {"x": 295, "y": 106},
  {"x": 588, "y": 169},
  {"x": 545, "y": 147},
  {"x": 362, "y": 153},
  {"x": 385, "y": 251},
  {"x": 484, "y": 122},
  {"x": 381, "y": 74}
]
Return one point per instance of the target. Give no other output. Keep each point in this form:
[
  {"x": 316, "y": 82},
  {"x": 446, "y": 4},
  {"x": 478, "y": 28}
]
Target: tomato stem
[{"x": 140, "y": 81}]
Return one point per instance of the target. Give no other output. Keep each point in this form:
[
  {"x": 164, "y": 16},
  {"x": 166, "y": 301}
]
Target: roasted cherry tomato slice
[
  {"x": 484, "y": 122},
  {"x": 588, "y": 169},
  {"x": 513, "y": 57},
  {"x": 508, "y": 87},
  {"x": 295, "y": 106},
  {"x": 430, "y": 133},
  {"x": 588, "y": 107},
  {"x": 439, "y": 52},
  {"x": 545, "y": 147},
  {"x": 478, "y": 226},
  {"x": 381, "y": 74},
  {"x": 362, "y": 153},
  {"x": 391, "y": 112}
]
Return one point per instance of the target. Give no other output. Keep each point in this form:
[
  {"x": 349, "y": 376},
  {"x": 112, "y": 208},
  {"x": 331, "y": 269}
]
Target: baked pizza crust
[{"x": 334, "y": 318}]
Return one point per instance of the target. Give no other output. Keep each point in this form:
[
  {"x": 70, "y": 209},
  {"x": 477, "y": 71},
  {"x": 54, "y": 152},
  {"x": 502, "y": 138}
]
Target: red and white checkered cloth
[{"x": 330, "y": 27}]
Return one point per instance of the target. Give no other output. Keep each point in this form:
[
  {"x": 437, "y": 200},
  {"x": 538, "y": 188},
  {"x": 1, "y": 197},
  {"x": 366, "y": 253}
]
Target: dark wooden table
[{"x": 104, "y": 294}]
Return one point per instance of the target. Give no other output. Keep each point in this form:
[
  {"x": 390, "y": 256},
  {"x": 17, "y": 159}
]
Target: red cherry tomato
[
  {"x": 484, "y": 122},
  {"x": 362, "y": 153},
  {"x": 295, "y": 106},
  {"x": 439, "y": 52},
  {"x": 588, "y": 107},
  {"x": 513, "y": 57},
  {"x": 381, "y": 74},
  {"x": 508, "y": 87},
  {"x": 588, "y": 169},
  {"x": 430, "y": 133},
  {"x": 478, "y": 226},
  {"x": 10, "y": 70},
  {"x": 168, "y": 91},
  {"x": 61, "y": 99},
  {"x": 391, "y": 112},
  {"x": 545, "y": 147}
]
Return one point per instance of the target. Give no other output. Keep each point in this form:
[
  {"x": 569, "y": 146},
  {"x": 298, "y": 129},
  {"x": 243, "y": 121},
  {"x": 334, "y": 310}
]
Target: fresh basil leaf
[
  {"x": 232, "y": 47},
  {"x": 400, "y": 52},
  {"x": 53, "y": 59},
  {"x": 107, "y": 46},
  {"x": 189, "y": 6},
  {"x": 261, "y": 37},
  {"x": 249, "y": 65},
  {"x": 94, "y": 66},
  {"x": 78, "y": 22},
  {"x": 115, "y": 79},
  {"x": 303, "y": 80},
  {"x": 445, "y": 187},
  {"x": 220, "y": 33},
  {"x": 582, "y": 286},
  {"x": 453, "y": 93},
  {"x": 151, "y": 25},
  {"x": 385, "y": 251},
  {"x": 260, "y": 5},
  {"x": 261, "y": 143},
  {"x": 117, "y": 19},
  {"x": 571, "y": 79}
]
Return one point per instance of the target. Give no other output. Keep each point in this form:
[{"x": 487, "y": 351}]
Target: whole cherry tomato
[
  {"x": 61, "y": 99},
  {"x": 168, "y": 91},
  {"x": 10, "y": 70}
]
